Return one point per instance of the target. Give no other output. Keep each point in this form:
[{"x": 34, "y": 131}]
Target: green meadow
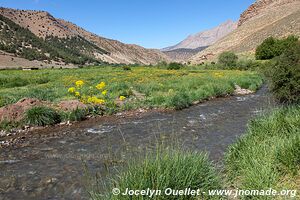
[{"x": 155, "y": 87}]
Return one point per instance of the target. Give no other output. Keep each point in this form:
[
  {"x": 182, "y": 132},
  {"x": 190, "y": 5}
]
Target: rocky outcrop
[
  {"x": 258, "y": 7},
  {"x": 241, "y": 91}
]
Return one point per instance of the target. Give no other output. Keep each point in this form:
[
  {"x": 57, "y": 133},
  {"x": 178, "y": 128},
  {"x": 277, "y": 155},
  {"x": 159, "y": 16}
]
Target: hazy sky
[{"x": 149, "y": 23}]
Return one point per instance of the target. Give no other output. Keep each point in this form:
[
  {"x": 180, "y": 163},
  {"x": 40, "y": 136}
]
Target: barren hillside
[
  {"x": 263, "y": 19},
  {"x": 119, "y": 52},
  {"x": 54, "y": 31}
]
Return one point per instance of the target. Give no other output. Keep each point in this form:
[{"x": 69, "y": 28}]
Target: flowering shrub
[
  {"x": 97, "y": 95},
  {"x": 92, "y": 95}
]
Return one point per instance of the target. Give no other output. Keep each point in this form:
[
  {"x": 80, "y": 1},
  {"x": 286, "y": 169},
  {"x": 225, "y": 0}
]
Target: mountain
[
  {"x": 264, "y": 18},
  {"x": 29, "y": 37},
  {"x": 205, "y": 38},
  {"x": 182, "y": 54}
]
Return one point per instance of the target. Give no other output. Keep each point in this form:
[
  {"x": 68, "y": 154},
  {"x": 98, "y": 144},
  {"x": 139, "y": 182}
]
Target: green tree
[
  {"x": 285, "y": 76},
  {"x": 272, "y": 47},
  {"x": 267, "y": 49},
  {"x": 227, "y": 60},
  {"x": 174, "y": 66}
]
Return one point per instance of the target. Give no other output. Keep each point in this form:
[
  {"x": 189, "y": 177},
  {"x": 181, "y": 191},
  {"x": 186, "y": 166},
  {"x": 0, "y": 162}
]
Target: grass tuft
[
  {"x": 179, "y": 101},
  {"x": 41, "y": 116}
]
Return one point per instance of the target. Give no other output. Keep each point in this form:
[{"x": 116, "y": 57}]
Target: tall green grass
[
  {"x": 176, "y": 169},
  {"x": 268, "y": 156}
]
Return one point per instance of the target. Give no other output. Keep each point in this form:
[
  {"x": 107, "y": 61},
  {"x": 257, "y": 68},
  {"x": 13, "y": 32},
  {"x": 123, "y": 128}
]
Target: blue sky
[{"x": 149, "y": 23}]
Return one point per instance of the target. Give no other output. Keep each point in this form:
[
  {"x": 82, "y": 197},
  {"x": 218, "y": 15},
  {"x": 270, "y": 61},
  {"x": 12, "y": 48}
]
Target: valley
[{"x": 213, "y": 108}]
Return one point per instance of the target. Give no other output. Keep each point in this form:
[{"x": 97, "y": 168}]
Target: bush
[
  {"x": 179, "y": 101},
  {"x": 126, "y": 68},
  {"x": 285, "y": 76},
  {"x": 272, "y": 47},
  {"x": 75, "y": 115},
  {"x": 166, "y": 169},
  {"x": 227, "y": 60},
  {"x": 41, "y": 116},
  {"x": 174, "y": 66}
]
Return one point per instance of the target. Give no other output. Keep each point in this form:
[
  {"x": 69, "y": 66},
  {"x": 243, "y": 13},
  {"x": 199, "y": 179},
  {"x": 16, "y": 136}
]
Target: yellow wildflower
[
  {"x": 71, "y": 90},
  {"x": 79, "y": 83},
  {"x": 99, "y": 101},
  {"x": 218, "y": 74},
  {"x": 104, "y": 92},
  {"x": 100, "y": 86},
  {"x": 122, "y": 98},
  {"x": 84, "y": 99},
  {"x": 77, "y": 94},
  {"x": 90, "y": 99},
  {"x": 95, "y": 100}
]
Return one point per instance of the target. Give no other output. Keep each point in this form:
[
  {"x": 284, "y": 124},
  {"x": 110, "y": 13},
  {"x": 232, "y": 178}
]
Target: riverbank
[
  {"x": 20, "y": 137},
  {"x": 141, "y": 88}
]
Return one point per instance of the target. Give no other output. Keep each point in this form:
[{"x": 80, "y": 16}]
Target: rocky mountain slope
[
  {"x": 20, "y": 42},
  {"x": 205, "y": 38},
  {"x": 37, "y": 35},
  {"x": 194, "y": 44},
  {"x": 263, "y": 19},
  {"x": 118, "y": 52},
  {"x": 183, "y": 54}
]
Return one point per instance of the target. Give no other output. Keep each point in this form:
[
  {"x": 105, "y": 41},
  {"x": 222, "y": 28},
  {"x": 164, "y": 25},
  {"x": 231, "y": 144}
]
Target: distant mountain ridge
[
  {"x": 205, "y": 38},
  {"x": 182, "y": 54},
  {"x": 45, "y": 27}
]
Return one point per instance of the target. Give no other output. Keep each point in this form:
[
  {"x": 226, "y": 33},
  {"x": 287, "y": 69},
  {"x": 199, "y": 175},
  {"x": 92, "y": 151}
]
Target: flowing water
[{"x": 52, "y": 167}]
